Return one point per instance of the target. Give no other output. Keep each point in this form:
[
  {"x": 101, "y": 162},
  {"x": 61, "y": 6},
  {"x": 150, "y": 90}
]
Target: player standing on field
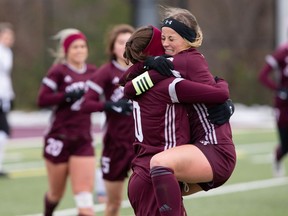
[
  {"x": 68, "y": 148},
  {"x": 6, "y": 90},
  {"x": 277, "y": 65},
  {"x": 117, "y": 151}
]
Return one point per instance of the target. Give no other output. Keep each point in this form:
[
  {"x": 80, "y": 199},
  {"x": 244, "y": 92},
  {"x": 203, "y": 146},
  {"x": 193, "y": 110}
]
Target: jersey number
[
  {"x": 54, "y": 147},
  {"x": 105, "y": 164},
  {"x": 137, "y": 121}
]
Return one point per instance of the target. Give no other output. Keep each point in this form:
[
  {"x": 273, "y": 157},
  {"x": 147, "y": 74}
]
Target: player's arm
[
  {"x": 159, "y": 63},
  {"x": 265, "y": 77},
  {"x": 92, "y": 103},
  {"x": 134, "y": 71},
  {"x": 193, "y": 92},
  {"x": 273, "y": 63},
  {"x": 142, "y": 83},
  {"x": 218, "y": 94},
  {"x": 48, "y": 97}
]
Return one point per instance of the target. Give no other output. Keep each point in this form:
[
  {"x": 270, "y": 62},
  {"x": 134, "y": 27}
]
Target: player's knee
[
  {"x": 113, "y": 208},
  {"x": 156, "y": 161},
  {"x": 84, "y": 200},
  {"x": 55, "y": 195}
]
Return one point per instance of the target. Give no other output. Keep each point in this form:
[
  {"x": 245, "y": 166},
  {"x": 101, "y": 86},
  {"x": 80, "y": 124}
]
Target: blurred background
[{"x": 237, "y": 37}]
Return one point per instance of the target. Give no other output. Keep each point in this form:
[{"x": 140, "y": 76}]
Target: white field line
[{"x": 226, "y": 189}]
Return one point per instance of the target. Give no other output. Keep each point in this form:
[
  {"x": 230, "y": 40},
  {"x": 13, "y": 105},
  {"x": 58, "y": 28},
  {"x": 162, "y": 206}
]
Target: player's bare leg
[
  {"x": 82, "y": 172},
  {"x": 57, "y": 176},
  {"x": 114, "y": 197},
  {"x": 187, "y": 161}
]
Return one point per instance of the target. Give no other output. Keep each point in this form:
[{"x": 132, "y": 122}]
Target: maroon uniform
[
  {"x": 160, "y": 124},
  {"x": 70, "y": 130},
  {"x": 117, "y": 151},
  {"x": 278, "y": 63},
  {"x": 214, "y": 141}
]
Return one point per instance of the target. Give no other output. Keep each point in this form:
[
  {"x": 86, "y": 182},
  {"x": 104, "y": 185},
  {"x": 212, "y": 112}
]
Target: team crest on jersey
[{"x": 67, "y": 79}]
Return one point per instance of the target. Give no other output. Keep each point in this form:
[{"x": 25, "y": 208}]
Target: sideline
[{"x": 226, "y": 189}]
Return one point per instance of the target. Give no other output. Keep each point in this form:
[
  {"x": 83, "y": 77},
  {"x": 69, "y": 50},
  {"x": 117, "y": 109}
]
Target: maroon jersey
[
  {"x": 105, "y": 81},
  {"x": 213, "y": 140},
  {"x": 160, "y": 124},
  {"x": 67, "y": 120},
  {"x": 192, "y": 65},
  {"x": 119, "y": 136},
  {"x": 277, "y": 63}
]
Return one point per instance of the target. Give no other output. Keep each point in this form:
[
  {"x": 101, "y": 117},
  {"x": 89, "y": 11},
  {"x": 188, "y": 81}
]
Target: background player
[
  {"x": 277, "y": 63},
  {"x": 68, "y": 149},
  {"x": 117, "y": 151},
  {"x": 6, "y": 90}
]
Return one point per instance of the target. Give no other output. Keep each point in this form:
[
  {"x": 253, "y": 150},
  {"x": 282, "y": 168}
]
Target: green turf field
[{"x": 251, "y": 191}]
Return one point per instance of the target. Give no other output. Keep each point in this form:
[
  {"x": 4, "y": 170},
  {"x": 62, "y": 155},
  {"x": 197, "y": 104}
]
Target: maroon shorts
[
  {"x": 58, "y": 150},
  {"x": 222, "y": 158},
  {"x": 116, "y": 163}
]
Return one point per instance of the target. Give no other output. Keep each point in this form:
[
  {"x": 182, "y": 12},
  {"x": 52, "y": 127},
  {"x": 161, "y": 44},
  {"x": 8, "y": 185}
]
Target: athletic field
[{"x": 251, "y": 191}]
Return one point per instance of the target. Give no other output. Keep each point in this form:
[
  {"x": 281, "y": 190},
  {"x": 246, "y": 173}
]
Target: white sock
[{"x": 100, "y": 187}]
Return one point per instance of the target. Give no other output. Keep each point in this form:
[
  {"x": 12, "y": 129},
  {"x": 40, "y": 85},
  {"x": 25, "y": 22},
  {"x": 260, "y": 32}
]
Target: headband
[
  {"x": 67, "y": 42},
  {"x": 182, "y": 29},
  {"x": 154, "y": 48}
]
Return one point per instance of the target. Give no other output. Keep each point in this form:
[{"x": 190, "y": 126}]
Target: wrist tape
[{"x": 142, "y": 83}]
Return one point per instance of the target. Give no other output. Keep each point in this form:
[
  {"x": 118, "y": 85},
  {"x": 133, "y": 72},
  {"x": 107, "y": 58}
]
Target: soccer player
[
  {"x": 161, "y": 131},
  {"x": 117, "y": 151},
  {"x": 277, "y": 65},
  {"x": 6, "y": 90},
  {"x": 68, "y": 148}
]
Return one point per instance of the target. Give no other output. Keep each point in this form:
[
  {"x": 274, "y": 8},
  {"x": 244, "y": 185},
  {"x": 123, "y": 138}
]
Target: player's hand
[
  {"x": 160, "y": 64},
  {"x": 123, "y": 106},
  {"x": 221, "y": 114},
  {"x": 282, "y": 93},
  {"x": 74, "y": 95}
]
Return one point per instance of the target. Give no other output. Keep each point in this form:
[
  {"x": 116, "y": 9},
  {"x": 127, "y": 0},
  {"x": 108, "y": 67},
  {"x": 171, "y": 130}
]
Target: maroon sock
[
  {"x": 167, "y": 191},
  {"x": 49, "y": 206}
]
